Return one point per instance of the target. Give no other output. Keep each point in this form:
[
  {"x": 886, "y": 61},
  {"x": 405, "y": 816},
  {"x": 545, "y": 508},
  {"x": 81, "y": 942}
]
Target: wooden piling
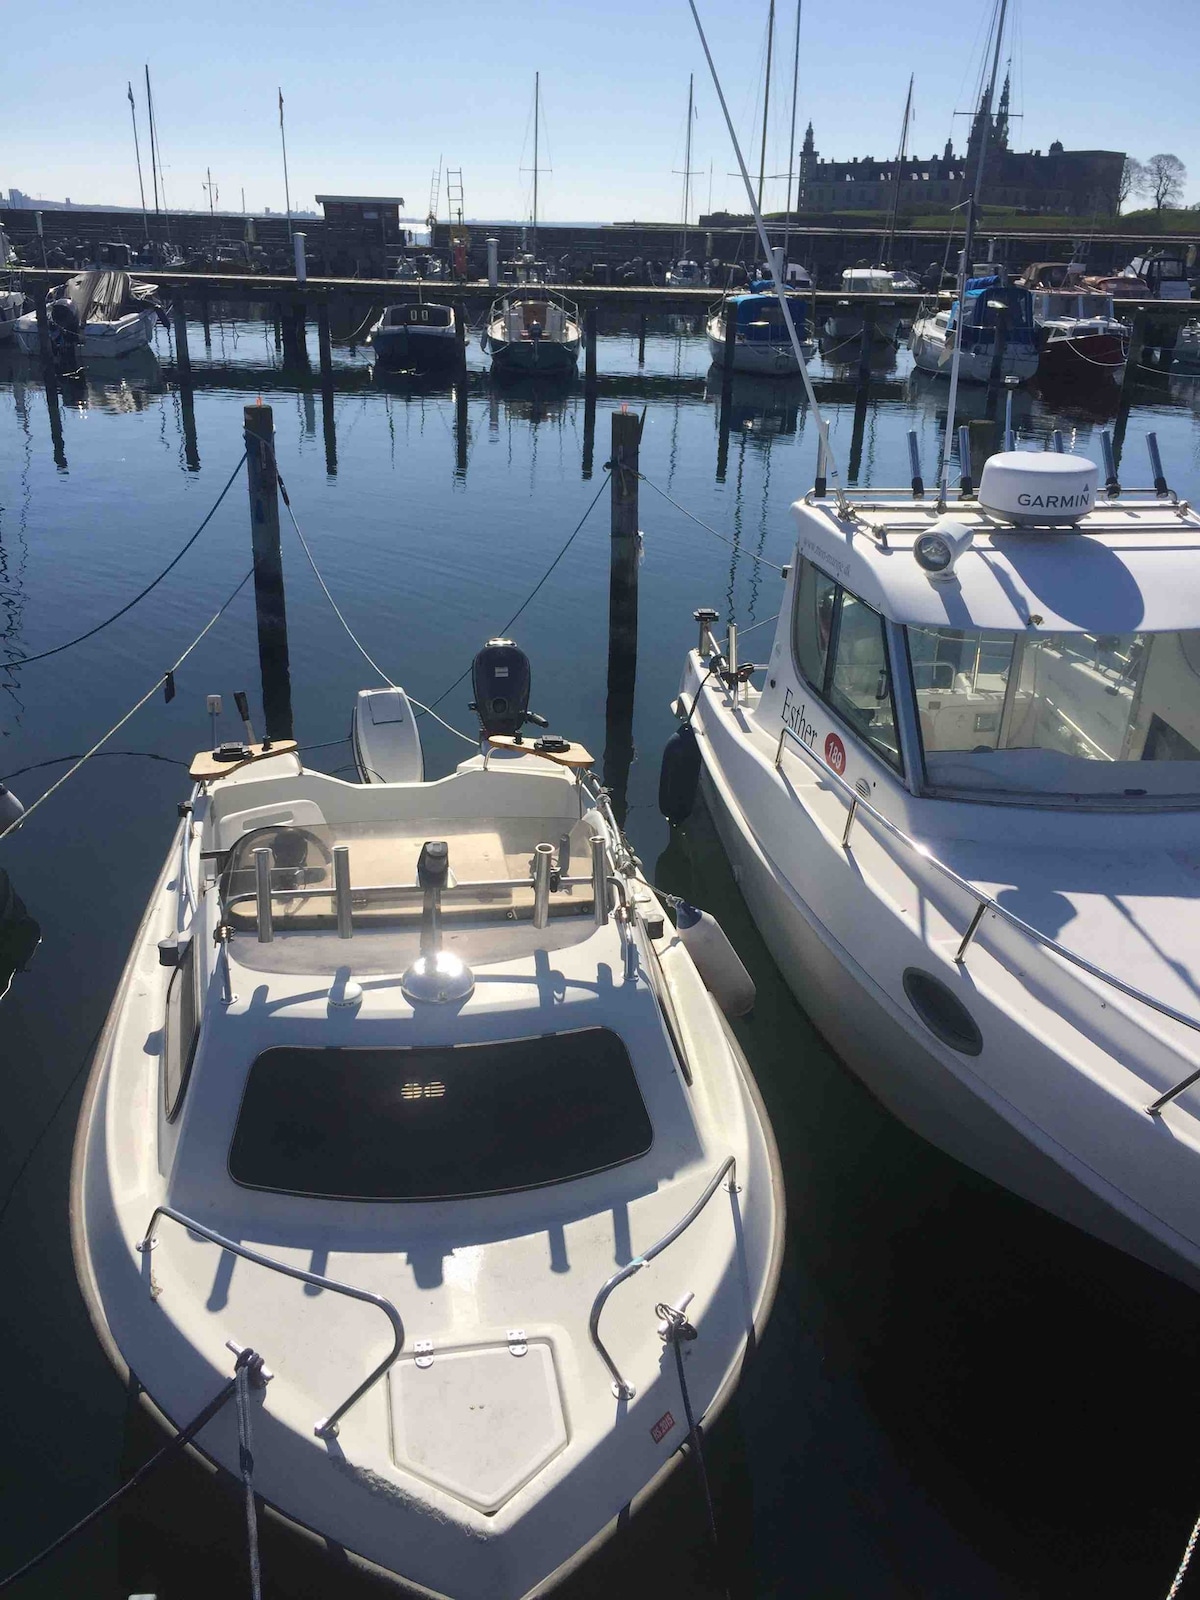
[
  {"x": 269, "y": 603},
  {"x": 622, "y": 607},
  {"x": 589, "y": 430},
  {"x": 1129, "y": 382},
  {"x": 985, "y": 441},
  {"x": 864, "y": 344},
  {"x": 623, "y": 551},
  {"x": 590, "y": 318},
  {"x": 999, "y": 345},
  {"x": 642, "y": 339},
  {"x": 49, "y": 376},
  {"x": 324, "y": 344}
]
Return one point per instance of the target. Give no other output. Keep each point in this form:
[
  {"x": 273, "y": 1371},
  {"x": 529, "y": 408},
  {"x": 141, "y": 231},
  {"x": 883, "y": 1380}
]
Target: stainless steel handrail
[
  {"x": 326, "y": 1428},
  {"x": 623, "y": 1390},
  {"x": 986, "y": 903},
  {"x": 329, "y": 890}
]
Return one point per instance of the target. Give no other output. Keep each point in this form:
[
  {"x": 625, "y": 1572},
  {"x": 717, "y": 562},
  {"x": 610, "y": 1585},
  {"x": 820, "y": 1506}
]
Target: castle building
[{"x": 1060, "y": 182}]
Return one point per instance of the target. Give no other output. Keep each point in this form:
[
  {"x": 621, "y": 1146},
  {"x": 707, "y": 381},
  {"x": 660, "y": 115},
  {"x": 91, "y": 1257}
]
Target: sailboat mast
[
  {"x": 138, "y": 155},
  {"x": 537, "y": 90},
  {"x": 153, "y": 159},
  {"x": 762, "y": 154},
  {"x": 787, "y": 225},
  {"x": 687, "y": 166},
  {"x": 896, "y": 179}
]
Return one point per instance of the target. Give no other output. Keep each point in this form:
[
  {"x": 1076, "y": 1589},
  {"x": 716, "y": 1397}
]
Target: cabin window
[
  {"x": 438, "y": 1123},
  {"x": 1086, "y": 714},
  {"x": 181, "y": 1031},
  {"x": 840, "y": 649}
]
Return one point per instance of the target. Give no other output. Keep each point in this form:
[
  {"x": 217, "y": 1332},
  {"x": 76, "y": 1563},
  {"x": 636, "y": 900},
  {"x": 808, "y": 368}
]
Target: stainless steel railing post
[
  {"x": 600, "y": 880},
  {"x": 264, "y": 860},
  {"x": 341, "y": 892},
  {"x": 543, "y": 855}
]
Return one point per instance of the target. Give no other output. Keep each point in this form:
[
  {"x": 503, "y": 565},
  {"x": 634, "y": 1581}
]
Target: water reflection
[{"x": 20, "y": 935}]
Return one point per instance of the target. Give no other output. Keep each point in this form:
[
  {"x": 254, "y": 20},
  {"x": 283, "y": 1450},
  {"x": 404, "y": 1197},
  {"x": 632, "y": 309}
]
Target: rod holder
[
  {"x": 966, "y": 483},
  {"x": 1056, "y": 441},
  {"x": 705, "y": 617},
  {"x": 1112, "y": 484},
  {"x": 914, "y": 465},
  {"x": 600, "y": 880},
  {"x": 264, "y": 860},
  {"x": 1156, "y": 466},
  {"x": 1010, "y": 438},
  {"x": 820, "y": 484},
  {"x": 543, "y": 861},
  {"x": 731, "y": 656},
  {"x": 341, "y": 892}
]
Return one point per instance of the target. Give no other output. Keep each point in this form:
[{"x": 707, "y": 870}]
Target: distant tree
[
  {"x": 1132, "y": 180},
  {"x": 1165, "y": 178}
]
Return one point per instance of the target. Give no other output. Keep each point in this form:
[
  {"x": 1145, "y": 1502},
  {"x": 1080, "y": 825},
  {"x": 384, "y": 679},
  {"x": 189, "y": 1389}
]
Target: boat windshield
[
  {"x": 1114, "y": 716},
  {"x": 438, "y": 1123}
]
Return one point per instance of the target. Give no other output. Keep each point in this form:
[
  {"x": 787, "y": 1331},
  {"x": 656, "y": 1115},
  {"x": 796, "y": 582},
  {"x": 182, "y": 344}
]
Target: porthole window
[
  {"x": 182, "y": 1029},
  {"x": 942, "y": 1012}
]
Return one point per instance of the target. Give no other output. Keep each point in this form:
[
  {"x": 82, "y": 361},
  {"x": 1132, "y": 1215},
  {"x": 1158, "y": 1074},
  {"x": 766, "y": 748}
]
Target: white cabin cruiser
[
  {"x": 962, "y": 808},
  {"x": 846, "y": 320},
  {"x": 412, "y": 1087}
]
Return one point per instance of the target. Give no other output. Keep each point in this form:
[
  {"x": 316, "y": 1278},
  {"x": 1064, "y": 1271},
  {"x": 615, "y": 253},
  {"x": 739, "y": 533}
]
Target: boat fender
[
  {"x": 717, "y": 962},
  {"x": 679, "y": 776},
  {"x": 10, "y": 808}
]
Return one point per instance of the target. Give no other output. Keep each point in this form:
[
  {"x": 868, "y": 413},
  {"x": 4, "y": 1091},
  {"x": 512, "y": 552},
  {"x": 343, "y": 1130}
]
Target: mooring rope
[
  {"x": 117, "y": 726},
  {"x": 249, "y": 1367},
  {"x": 24, "y": 661},
  {"x": 732, "y": 543},
  {"x": 247, "y": 1362},
  {"x": 337, "y": 610},
  {"x": 675, "y": 1329}
]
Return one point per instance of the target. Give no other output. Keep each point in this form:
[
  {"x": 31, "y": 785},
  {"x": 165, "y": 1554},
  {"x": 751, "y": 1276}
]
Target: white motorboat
[
  {"x": 994, "y": 310},
  {"x": 98, "y": 313},
  {"x": 846, "y": 320},
  {"x": 962, "y": 809},
  {"x": 413, "y": 1087},
  {"x": 418, "y": 335},
  {"x": 533, "y": 334},
  {"x": 762, "y": 343},
  {"x": 684, "y": 275}
]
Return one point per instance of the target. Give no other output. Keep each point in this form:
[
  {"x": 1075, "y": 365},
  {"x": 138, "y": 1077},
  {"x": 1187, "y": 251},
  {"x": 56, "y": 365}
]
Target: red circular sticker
[{"x": 835, "y": 753}]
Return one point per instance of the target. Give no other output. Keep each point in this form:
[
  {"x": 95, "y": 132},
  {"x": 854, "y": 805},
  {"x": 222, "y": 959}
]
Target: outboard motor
[
  {"x": 63, "y": 315},
  {"x": 500, "y": 680}
]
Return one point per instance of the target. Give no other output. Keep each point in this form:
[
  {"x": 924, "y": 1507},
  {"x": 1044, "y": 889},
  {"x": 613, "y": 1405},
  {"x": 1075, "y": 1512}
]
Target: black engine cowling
[{"x": 501, "y": 680}]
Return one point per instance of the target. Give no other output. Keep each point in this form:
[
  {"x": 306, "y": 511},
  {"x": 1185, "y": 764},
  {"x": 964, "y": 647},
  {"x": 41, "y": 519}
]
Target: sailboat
[
  {"x": 997, "y": 339},
  {"x": 686, "y": 273},
  {"x": 539, "y": 333}
]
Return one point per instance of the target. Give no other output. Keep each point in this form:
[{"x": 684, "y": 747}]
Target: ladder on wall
[{"x": 454, "y": 193}]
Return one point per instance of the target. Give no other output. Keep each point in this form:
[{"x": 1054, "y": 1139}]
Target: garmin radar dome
[{"x": 1038, "y": 491}]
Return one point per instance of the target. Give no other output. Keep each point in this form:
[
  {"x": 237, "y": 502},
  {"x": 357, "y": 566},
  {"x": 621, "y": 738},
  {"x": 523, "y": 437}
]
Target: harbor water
[{"x": 957, "y": 1394}]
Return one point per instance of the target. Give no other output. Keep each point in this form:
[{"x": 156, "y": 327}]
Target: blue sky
[{"x": 377, "y": 94}]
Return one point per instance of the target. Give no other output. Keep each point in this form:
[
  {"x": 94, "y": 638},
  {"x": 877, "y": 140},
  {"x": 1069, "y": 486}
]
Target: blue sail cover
[{"x": 760, "y": 319}]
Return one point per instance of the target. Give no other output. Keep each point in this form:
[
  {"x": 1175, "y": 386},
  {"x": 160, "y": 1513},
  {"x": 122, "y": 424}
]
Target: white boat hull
[
  {"x": 764, "y": 358},
  {"x": 100, "y": 339},
  {"x": 1036, "y": 1111},
  {"x": 933, "y": 351}
]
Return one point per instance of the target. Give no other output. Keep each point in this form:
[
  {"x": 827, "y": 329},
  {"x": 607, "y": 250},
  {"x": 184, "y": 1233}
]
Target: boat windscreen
[
  {"x": 438, "y": 1123},
  {"x": 1112, "y": 716}
]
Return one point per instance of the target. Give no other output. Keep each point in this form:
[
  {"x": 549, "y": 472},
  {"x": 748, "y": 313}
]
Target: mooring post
[
  {"x": 1129, "y": 380},
  {"x": 622, "y": 606},
  {"x": 49, "y": 377},
  {"x": 207, "y": 321},
  {"x": 328, "y": 424},
  {"x": 183, "y": 374},
  {"x": 864, "y": 344},
  {"x": 269, "y": 604},
  {"x": 460, "y": 390},
  {"x": 493, "y": 263},
  {"x": 589, "y": 431},
  {"x": 985, "y": 440},
  {"x": 999, "y": 346},
  {"x": 589, "y": 322},
  {"x": 642, "y": 339}
]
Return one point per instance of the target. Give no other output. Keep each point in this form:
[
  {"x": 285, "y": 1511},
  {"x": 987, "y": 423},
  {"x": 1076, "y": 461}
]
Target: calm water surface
[{"x": 956, "y": 1394}]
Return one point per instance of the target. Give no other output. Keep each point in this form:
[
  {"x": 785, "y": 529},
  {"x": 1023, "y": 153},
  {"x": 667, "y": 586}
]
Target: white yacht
[
  {"x": 412, "y": 1087},
  {"x": 962, "y": 806},
  {"x": 990, "y": 305},
  {"x": 761, "y": 342}
]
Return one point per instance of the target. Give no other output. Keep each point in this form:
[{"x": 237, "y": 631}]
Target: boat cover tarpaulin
[{"x": 104, "y": 296}]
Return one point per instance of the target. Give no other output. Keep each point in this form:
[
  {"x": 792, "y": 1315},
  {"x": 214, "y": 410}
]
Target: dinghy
[
  {"x": 414, "y": 1088},
  {"x": 961, "y": 803}
]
